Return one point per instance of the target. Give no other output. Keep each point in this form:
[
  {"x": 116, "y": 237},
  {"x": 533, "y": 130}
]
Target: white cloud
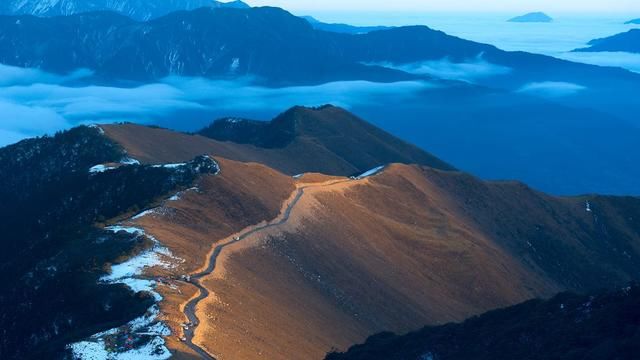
[
  {"x": 10, "y": 75},
  {"x": 551, "y": 88},
  {"x": 19, "y": 121},
  {"x": 625, "y": 60},
  {"x": 470, "y": 70},
  {"x": 33, "y": 102}
]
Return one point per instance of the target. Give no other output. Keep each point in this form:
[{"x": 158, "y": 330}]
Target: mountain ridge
[
  {"x": 282, "y": 49},
  {"x": 627, "y": 42},
  {"x": 330, "y": 141},
  {"x": 136, "y": 9}
]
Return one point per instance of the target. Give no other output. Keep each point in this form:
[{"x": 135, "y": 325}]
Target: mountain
[
  {"x": 326, "y": 140},
  {"x": 342, "y": 28},
  {"x": 634, "y": 21},
  {"x": 146, "y": 223},
  {"x": 534, "y": 17},
  {"x": 395, "y": 249},
  {"x": 320, "y": 139},
  {"x": 136, "y": 9},
  {"x": 598, "y": 326},
  {"x": 627, "y": 42}
]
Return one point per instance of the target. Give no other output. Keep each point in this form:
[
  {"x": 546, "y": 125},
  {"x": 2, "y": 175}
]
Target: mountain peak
[{"x": 533, "y": 17}]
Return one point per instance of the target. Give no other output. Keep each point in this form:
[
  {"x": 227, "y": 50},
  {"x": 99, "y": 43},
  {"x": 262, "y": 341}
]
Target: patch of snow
[
  {"x": 371, "y": 172},
  {"x": 96, "y": 348},
  {"x": 129, "y": 161},
  {"x": 100, "y": 169},
  {"x": 178, "y": 195},
  {"x": 588, "y": 206},
  {"x": 143, "y": 214},
  {"x": 146, "y": 329},
  {"x": 127, "y": 229},
  {"x": 170, "y": 166},
  {"x": 298, "y": 176},
  {"x": 100, "y": 130}
]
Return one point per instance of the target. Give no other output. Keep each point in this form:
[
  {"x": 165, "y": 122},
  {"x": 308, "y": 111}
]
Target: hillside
[
  {"x": 628, "y": 42},
  {"x": 56, "y": 197},
  {"x": 327, "y": 140},
  {"x": 405, "y": 247},
  {"x": 599, "y": 326}
]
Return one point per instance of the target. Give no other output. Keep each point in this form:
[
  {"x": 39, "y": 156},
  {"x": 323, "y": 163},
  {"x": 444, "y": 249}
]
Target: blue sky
[{"x": 459, "y": 5}]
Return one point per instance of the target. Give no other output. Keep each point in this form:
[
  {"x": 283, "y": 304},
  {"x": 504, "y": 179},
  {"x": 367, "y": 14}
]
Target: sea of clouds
[{"x": 34, "y": 102}]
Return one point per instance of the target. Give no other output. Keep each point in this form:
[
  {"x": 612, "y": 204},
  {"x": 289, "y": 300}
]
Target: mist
[
  {"x": 469, "y": 71},
  {"x": 35, "y": 103}
]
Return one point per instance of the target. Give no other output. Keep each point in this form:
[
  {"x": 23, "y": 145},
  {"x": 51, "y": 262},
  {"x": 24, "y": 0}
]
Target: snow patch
[
  {"x": 127, "y": 229},
  {"x": 170, "y": 166},
  {"x": 141, "y": 338},
  {"x": 127, "y": 342},
  {"x": 143, "y": 214},
  {"x": 587, "y": 206},
  {"x": 100, "y": 130},
  {"x": 371, "y": 172},
  {"x": 100, "y": 169},
  {"x": 298, "y": 176},
  {"x": 129, "y": 161},
  {"x": 178, "y": 195}
]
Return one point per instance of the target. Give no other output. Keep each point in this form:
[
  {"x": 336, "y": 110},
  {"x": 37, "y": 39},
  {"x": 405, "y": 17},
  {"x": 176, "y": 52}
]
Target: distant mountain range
[
  {"x": 634, "y": 21},
  {"x": 342, "y": 28},
  {"x": 268, "y": 43},
  {"x": 136, "y": 9},
  {"x": 534, "y": 17},
  {"x": 627, "y": 42},
  {"x": 604, "y": 325}
]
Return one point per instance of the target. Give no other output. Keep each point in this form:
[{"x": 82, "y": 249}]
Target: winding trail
[{"x": 190, "y": 307}]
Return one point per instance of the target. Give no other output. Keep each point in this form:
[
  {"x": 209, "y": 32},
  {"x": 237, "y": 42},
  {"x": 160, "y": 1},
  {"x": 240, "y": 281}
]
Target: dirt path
[{"x": 190, "y": 307}]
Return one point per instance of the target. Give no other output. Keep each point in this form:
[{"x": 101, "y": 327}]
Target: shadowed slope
[{"x": 567, "y": 327}]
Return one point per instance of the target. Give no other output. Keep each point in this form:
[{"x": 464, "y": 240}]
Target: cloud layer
[
  {"x": 551, "y": 89},
  {"x": 469, "y": 71},
  {"x": 33, "y": 102}
]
